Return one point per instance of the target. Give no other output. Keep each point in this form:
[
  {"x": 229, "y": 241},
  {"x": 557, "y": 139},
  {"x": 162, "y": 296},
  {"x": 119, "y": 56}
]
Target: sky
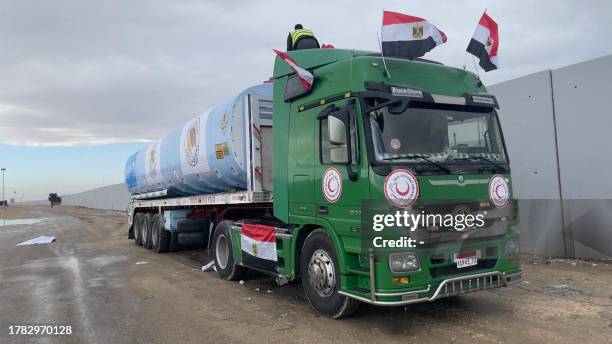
[{"x": 86, "y": 83}]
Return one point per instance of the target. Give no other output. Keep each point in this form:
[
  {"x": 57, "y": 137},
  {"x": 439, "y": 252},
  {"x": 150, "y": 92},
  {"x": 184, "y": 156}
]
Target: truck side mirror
[
  {"x": 338, "y": 135},
  {"x": 339, "y": 155},
  {"x": 337, "y": 131}
]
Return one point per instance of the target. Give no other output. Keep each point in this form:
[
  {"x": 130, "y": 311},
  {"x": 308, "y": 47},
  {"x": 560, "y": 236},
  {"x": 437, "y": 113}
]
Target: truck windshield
[{"x": 439, "y": 135}]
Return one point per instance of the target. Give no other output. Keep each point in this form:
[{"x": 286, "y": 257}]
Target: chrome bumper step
[{"x": 448, "y": 287}]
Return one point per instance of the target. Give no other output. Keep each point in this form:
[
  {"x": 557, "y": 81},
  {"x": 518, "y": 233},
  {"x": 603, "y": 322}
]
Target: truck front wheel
[
  {"x": 321, "y": 277},
  {"x": 224, "y": 254}
]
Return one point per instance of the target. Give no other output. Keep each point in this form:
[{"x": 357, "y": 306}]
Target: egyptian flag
[
  {"x": 408, "y": 36},
  {"x": 485, "y": 42},
  {"x": 258, "y": 243},
  {"x": 305, "y": 76}
]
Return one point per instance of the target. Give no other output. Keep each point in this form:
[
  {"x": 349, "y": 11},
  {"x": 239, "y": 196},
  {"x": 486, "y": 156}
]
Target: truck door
[{"x": 341, "y": 177}]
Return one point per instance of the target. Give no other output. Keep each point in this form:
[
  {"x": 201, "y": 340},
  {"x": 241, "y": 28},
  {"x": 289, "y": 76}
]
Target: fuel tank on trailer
[{"x": 206, "y": 155}]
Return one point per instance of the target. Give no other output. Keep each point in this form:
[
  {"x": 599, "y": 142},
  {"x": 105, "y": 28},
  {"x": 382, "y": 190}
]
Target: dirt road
[{"x": 110, "y": 291}]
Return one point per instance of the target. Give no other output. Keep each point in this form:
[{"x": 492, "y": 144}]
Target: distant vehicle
[
  {"x": 3, "y": 204},
  {"x": 54, "y": 199}
]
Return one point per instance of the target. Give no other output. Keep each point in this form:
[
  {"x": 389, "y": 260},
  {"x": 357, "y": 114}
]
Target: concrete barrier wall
[
  {"x": 113, "y": 197},
  {"x": 556, "y": 126}
]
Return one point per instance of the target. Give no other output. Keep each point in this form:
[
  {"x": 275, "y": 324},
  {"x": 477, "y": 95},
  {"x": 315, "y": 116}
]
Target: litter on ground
[
  {"x": 281, "y": 280},
  {"x": 43, "y": 239},
  {"x": 210, "y": 266}
]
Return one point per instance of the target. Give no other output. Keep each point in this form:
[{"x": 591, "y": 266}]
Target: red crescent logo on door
[
  {"x": 499, "y": 191},
  {"x": 401, "y": 188},
  {"x": 331, "y": 184},
  {"x": 400, "y": 192}
]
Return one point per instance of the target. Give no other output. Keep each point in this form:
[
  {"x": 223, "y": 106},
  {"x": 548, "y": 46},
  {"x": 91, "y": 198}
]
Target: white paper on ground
[
  {"x": 209, "y": 267},
  {"x": 43, "y": 239}
]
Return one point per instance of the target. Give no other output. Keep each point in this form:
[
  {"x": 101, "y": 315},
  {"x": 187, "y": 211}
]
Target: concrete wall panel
[
  {"x": 527, "y": 120},
  {"x": 113, "y": 197},
  {"x": 571, "y": 103}
]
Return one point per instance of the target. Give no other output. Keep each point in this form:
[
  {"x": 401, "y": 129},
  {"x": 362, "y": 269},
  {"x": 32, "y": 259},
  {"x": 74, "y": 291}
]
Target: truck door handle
[{"x": 323, "y": 210}]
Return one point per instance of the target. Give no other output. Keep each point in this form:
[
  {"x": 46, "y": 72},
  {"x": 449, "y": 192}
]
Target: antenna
[
  {"x": 476, "y": 68},
  {"x": 382, "y": 20},
  {"x": 383, "y": 56}
]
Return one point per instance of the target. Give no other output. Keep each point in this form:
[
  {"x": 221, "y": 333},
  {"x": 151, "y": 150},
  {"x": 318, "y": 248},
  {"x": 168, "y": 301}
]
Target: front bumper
[{"x": 448, "y": 287}]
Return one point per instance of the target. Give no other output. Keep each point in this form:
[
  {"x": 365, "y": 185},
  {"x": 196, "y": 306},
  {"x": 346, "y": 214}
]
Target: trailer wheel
[
  {"x": 321, "y": 277},
  {"x": 160, "y": 237},
  {"x": 147, "y": 225},
  {"x": 138, "y": 219},
  {"x": 224, "y": 256}
]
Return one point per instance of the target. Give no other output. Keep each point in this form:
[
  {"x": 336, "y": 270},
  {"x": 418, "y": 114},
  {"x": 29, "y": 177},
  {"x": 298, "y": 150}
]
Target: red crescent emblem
[
  {"x": 401, "y": 193},
  {"x": 329, "y": 187},
  {"x": 497, "y": 192}
]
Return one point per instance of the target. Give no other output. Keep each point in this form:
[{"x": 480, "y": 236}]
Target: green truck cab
[{"x": 355, "y": 82}]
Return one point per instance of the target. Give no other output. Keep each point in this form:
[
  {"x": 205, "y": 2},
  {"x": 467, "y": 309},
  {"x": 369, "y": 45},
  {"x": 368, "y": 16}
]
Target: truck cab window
[{"x": 443, "y": 136}]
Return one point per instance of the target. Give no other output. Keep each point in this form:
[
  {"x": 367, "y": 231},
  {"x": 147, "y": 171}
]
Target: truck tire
[
  {"x": 147, "y": 225},
  {"x": 320, "y": 273},
  {"x": 138, "y": 219},
  {"x": 223, "y": 253},
  {"x": 160, "y": 237},
  {"x": 173, "y": 245}
]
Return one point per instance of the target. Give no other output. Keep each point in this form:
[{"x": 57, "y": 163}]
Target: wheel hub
[{"x": 321, "y": 273}]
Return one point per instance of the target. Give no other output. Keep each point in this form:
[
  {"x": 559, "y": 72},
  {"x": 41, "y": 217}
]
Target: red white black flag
[
  {"x": 408, "y": 36},
  {"x": 305, "y": 76},
  {"x": 485, "y": 42},
  {"x": 258, "y": 244}
]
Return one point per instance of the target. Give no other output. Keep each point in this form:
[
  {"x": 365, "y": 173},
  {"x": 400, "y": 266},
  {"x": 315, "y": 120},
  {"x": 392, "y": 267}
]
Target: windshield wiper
[
  {"x": 482, "y": 158},
  {"x": 424, "y": 158}
]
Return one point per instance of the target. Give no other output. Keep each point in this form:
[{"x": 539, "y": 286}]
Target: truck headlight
[
  {"x": 512, "y": 248},
  {"x": 404, "y": 262}
]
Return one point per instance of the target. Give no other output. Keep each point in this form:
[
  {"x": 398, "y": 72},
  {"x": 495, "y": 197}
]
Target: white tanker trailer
[{"x": 207, "y": 155}]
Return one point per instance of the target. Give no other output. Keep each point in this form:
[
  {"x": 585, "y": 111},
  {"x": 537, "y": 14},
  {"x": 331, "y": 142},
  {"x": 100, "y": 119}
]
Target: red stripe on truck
[{"x": 259, "y": 232}]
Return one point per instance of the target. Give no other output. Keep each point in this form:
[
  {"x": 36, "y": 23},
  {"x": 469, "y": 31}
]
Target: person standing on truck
[{"x": 301, "y": 38}]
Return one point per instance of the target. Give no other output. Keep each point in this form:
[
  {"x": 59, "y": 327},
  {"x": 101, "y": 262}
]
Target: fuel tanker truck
[{"x": 296, "y": 182}]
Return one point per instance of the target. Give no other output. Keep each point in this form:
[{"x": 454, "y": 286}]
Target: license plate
[
  {"x": 465, "y": 262},
  {"x": 465, "y": 259}
]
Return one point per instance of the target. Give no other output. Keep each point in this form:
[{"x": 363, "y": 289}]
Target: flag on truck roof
[
  {"x": 305, "y": 76},
  {"x": 407, "y": 36},
  {"x": 485, "y": 42}
]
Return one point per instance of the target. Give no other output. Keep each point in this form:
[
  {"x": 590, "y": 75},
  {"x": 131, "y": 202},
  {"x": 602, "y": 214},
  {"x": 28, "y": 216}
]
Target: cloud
[{"x": 83, "y": 73}]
